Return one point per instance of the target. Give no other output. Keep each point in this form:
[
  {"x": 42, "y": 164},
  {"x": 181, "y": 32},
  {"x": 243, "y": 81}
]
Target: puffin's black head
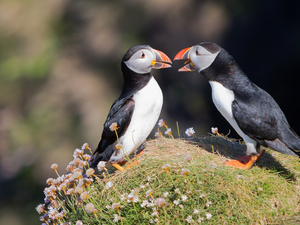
[
  {"x": 142, "y": 58},
  {"x": 199, "y": 57}
]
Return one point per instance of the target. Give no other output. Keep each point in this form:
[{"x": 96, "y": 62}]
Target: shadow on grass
[{"x": 231, "y": 148}]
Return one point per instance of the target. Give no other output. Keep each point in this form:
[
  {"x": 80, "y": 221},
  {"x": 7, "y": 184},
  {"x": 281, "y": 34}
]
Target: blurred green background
[{"x": 60, "y": 73}]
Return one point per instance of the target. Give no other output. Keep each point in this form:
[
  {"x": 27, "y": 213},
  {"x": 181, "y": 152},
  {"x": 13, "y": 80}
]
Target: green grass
[{"x": 269, "y": 193}]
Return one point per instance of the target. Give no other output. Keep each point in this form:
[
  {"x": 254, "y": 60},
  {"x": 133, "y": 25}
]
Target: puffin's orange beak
[
  {"x": 161, "y": 60},
  {"x": 184, "y": 54}
]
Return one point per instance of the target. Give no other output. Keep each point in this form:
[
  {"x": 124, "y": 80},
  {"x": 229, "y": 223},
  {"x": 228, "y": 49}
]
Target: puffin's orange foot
[
  {"x": 238, "y": 164},
  {"x": 117, "y": 166},
  {"x": 247, "y": 163},
  {"x": 133, "y": 163}
]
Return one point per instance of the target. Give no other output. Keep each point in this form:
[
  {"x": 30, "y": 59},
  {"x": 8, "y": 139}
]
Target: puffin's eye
[
  {"x": 197, "y": 53},
  {"x": 143, "y": 55}
]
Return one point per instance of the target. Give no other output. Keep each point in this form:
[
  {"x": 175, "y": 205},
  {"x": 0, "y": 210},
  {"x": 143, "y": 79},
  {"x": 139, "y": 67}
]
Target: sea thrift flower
[
  {"x": 115, "y": 206},
  {"x": 40, "y": 208},
  {"x": 77, "y": 175},
  {"x": 84, "y": 195},
  {"x": 200, "y": 219},
  {"x": 166, "y": 167},
  {"x": 135, "y": 199},
  {"x": 155, "y": 213},
  {"x": 77, "y": 152},
  {"x": 49, "y": 181},
  {"x": 208, "y": 204},
  {"x": 208, "y": 216},
  {"x": 161, "y": 123},
  {"x": 89, "y": 208},
  {"x": 59, "y": 216},
  {"x": 214, "y": 130},
  {"x": 176, "y": 202},
  {"x": 62, "y": 187},
  {"x": 188, "y": 158},
  {"x": 79, "y": 190},
  {"x": 86, "y": 157},
  {"x": 190, "y": 132},
  {"x": 145, "y": 202},
  {"x": 85, "y": 146},
  {"x": 101, "y": 165},
  {"x": 168, "y": 131},
  {"x": 90, "y": 172},
  {"x": 196, "y": 211},
  {"x": 70, "y": 191},
  {"x": 184, "y": 171},
  {"x": 78, "y": 222},
  {"x": 54, "y": 166},
  {"x": 157, "y": 134},
  {"x": 189, "y": 219},
  {"x": 116, "y": 218},
  {"x": 131, "y": 197},
  {"x": 109, "y": 185},
  {"x": 149, "y": 193},
  {"x": 184, "y": 197},
  {"x": 70, "y": 167},
  {"x": 113, "y": 126},
  {"x": 123, "y": 197},
  {"x": 77, "y": 162},
  {"x": 160, "y": 202}
]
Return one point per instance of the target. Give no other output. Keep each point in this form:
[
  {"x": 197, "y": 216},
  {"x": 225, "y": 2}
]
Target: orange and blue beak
[
  {"x": 185, "y": 54},
  {"x": 161, "y": 60}
]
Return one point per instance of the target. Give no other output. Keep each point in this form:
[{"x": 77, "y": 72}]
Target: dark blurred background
[{"x": 60, "y": 73}]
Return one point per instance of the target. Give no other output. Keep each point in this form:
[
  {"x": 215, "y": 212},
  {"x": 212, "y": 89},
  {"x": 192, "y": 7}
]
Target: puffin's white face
[
  {"x": 201, "y": 58},
  {"x": 141, "y": 62},
  {"x": 198, "y": 57}
]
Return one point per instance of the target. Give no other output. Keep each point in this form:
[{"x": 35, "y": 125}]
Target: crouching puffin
[
  {"x": 250, "y": 110},
  {"x": 134, "y": 114}
]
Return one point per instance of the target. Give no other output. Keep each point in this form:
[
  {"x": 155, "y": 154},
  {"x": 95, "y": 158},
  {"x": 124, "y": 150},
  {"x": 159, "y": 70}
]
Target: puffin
[
  {"x": 134, "y": 114},
  {"x": 250, "y": 110}
]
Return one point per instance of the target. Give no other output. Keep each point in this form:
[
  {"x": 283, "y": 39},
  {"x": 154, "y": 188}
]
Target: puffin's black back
[{"x": 255, "y": 111}]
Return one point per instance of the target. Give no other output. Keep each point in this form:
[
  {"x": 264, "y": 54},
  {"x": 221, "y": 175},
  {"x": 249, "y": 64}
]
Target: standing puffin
[
  {"x": 134, "y": 114},
  {"x": 250, "y": 110}
]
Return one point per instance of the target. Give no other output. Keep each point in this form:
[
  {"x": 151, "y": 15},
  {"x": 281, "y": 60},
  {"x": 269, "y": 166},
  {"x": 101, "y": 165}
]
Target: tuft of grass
[{"x": 181, "y": 181}]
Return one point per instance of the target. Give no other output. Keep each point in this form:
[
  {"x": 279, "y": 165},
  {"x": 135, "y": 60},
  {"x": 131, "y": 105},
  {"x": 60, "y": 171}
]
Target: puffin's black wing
[
  {"x": 259, "y": 116},
  {"x": 255, "y": 116},
  {"x": 120, "y": 113}
]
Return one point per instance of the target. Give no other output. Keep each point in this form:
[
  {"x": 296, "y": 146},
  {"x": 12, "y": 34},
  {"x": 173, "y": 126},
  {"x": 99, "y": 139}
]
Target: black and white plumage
[
  {"x": 250, "y": 110},
  {"x": 136, "y": 111}
]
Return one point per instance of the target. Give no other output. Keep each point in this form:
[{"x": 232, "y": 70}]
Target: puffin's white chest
[
  {"x": 223, "y": 98},
  {"x": 148, "y": 104}
]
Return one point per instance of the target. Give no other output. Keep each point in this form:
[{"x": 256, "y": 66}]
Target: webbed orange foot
[
  {"x": 246, "y": 164},
  {"x": 133, "y": 163}
]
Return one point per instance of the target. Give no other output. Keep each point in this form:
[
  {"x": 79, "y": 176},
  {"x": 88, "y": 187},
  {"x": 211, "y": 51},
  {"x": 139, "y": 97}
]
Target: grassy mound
[{"x": 185, "y": 181}]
